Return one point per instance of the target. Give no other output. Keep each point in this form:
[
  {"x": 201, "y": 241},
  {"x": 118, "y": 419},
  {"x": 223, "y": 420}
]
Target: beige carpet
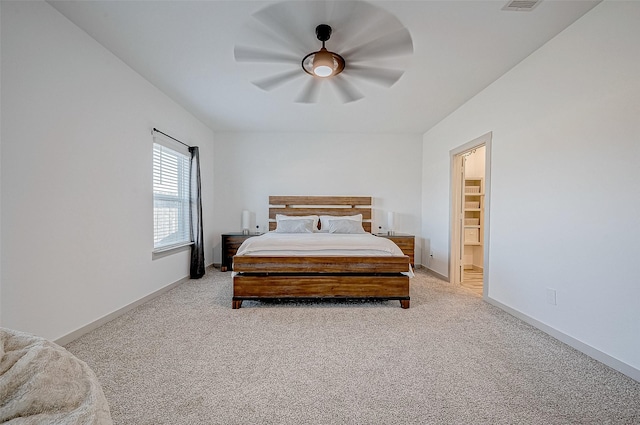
[{"x": 187, "y": 358}]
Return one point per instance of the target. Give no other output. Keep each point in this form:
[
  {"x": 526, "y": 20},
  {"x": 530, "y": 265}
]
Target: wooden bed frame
[{"x": 299, "y": 277}]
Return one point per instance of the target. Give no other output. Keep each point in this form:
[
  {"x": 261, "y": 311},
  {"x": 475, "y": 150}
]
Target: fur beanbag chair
[{"x": 42, "y": 383}]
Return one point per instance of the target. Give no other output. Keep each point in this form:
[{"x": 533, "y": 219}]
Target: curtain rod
[{"x": 158, "y": 131}]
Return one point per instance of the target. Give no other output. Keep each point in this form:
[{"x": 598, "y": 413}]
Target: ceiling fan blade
[
  {"x": 274, "y": 81},
  {"x": 346, "y": 90},
  {"x": 394, "y": 44},
  {"x": 353, "y": 23},
  {"x": 382, "y": 76},
  {"x": 261, "y": 35},
  {"x": 310, "y": 92},
  {"x": 279, "y": 19},
  {"x": 251, "y": 54}
]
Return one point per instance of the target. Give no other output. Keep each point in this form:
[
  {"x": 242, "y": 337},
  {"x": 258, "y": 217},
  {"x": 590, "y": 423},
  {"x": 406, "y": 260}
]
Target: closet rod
[{"x": 158, "y": 131}]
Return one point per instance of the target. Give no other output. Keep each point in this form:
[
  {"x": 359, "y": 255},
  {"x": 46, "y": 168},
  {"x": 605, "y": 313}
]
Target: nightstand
[
  {"x": 404, "y": 241},
  {"x": 230, "y": 244}
]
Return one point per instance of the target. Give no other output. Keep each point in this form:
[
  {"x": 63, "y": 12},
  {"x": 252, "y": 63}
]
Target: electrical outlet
[{"x": 551, "y": 296}]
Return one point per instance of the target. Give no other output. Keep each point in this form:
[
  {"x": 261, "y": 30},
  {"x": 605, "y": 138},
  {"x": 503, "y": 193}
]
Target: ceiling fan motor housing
[{"x": 323, "y": 32}]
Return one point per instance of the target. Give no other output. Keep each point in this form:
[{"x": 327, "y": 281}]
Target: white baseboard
[
  {"x": 72, "y": 336},
  {"x": 436, "y": 274},
  {"x": 594, "y": 353}
]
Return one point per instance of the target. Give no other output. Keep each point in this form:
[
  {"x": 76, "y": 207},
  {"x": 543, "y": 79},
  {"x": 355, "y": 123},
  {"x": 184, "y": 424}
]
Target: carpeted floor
[{"x": 187, "y": 358}]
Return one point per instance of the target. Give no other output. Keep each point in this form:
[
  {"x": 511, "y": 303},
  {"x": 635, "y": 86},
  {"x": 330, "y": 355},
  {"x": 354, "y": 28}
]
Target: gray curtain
[{"x": 197, "y": 249}]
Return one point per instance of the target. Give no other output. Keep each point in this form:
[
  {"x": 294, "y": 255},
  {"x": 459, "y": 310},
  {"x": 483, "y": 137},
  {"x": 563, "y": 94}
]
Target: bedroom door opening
[{"x": 469, "y": 211}]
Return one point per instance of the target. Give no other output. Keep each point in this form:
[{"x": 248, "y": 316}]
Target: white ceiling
[{"x": 185, "y": 48}]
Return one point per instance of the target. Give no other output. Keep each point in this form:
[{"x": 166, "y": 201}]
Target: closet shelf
[{"x": 473, "y": 233}]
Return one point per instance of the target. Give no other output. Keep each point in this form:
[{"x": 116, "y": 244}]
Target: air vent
[{"x": 521, "y": 5}]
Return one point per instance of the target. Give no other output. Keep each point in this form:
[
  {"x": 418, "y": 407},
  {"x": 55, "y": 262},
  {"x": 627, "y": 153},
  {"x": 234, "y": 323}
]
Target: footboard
[{"x": 280, "y": 277}]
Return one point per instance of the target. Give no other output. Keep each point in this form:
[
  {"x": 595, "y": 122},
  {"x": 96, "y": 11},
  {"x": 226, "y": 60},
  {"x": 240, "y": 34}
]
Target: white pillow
[
  {"x": 295, "y": 226},
  {"x": 324, "y": 220},
  {"x": 315, "y": 218},
  {"x": 345, "y": 226}
]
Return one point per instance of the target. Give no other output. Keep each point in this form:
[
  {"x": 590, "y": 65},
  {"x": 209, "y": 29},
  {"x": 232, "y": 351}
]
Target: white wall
[
  {"x": 0, "y": 173},
  {"x": 249, "y": 167},
  {"x": 77, "y": 230},
  {"x": 565, "y": 210}
]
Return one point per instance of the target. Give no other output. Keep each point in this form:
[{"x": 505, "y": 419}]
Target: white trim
[
  {"x": 164, "y": 249},
  {"x": 455, "y": 212},
  {"x": 590, "y": 351},
  {"x": 72, "y": 336},
  {"x": 155, "y": 255},
  {"x": 487, "y": 214},
  {"x": 430, "y": 271},
  {"x": 438, "y": 275}
]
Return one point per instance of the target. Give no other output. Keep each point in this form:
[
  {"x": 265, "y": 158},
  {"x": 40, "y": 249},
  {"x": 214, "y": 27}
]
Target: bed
[{"x": 290, "y": 272}]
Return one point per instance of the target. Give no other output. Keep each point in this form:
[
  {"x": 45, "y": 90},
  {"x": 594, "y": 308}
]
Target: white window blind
[{"x": 171, "y": 218}]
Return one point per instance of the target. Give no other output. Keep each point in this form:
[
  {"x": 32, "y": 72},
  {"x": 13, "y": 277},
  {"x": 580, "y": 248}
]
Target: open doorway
[{"x": 469, "y": 214}]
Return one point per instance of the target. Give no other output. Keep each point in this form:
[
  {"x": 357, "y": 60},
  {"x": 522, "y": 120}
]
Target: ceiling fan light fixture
[{"x": 323, "y": 63}]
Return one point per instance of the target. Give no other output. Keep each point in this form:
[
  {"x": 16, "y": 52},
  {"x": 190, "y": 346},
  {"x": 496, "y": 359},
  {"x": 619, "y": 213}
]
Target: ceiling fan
[{"x": 367, "y": 43}]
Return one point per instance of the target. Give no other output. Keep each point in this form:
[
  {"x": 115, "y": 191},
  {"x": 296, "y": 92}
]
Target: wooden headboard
[{"x": 320, "y": 205}]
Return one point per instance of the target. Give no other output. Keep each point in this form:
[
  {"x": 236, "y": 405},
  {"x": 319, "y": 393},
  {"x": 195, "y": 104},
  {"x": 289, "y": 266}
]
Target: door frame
[{"x": 455, "y": 209}]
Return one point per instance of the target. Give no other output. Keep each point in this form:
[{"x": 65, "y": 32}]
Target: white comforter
[{"x": 273, "y": 243}]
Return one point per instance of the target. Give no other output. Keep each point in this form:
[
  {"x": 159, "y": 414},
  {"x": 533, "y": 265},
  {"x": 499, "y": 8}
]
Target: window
[{"x": 171, "y": 217}]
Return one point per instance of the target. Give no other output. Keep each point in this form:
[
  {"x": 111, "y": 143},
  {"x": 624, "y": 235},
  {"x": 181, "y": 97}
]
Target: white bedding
[
  {"x": 309, "y": 244},
  {"x": 360, "y": 245}
]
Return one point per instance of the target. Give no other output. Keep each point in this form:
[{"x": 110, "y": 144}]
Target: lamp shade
[
  {"x": 323, "y": 63},
  {"x": 246, "y": 218},
  {"x": 391, "y": 220}
]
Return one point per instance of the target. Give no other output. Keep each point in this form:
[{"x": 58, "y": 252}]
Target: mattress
[{"x": 310, "y": 244}]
